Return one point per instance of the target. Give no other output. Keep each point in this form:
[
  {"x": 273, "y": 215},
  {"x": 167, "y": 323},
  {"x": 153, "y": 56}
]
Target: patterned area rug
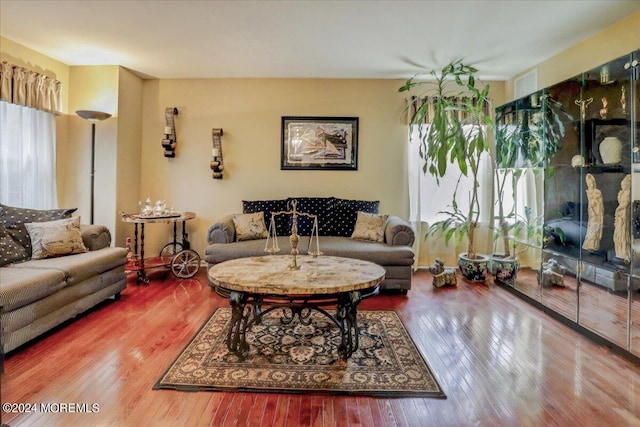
[{"x": 299, "y": 358}]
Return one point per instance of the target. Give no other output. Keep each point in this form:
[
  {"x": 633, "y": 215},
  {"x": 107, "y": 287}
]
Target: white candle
[
  {"x": 215, "y": 152},
  {"x": 167, "y": 130}
]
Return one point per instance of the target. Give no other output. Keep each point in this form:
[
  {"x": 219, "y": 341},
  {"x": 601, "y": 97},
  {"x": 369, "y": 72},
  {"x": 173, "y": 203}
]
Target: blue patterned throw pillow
[
  {"x": 322, "y": 207},
  {"x": 14, "y": 220},
  {"x": 10, "y": 251},
  {"x": 268, "y": 206},
  {"x": 346, "y": 213}
]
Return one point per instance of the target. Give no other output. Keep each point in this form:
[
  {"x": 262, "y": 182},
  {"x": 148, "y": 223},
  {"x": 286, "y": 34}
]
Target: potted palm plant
[{"x": 456, "y": 134}]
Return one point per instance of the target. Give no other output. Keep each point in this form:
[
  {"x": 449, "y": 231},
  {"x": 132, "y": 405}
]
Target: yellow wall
[
  {"x": 93, "y": 88},
  {"x": 619, "y": 39},
  {"x": 127, "y": 185},
  {"x": 249, "y": 111}
]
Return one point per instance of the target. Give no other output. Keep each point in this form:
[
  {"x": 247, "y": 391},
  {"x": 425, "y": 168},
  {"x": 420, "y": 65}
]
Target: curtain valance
[
  {"x": 29, "y": 88},
  {"x": 421, "y": 109}
]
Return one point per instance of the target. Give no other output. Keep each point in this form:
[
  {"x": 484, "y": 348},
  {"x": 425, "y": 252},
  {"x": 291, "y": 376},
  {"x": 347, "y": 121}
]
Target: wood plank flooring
[
  {"x": 602, "y": 311},
  {"x": 501, "y": 362}
]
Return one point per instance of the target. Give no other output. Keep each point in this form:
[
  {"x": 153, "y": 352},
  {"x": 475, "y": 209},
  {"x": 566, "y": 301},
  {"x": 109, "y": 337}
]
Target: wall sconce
[
  {"x": 170, "y": 140},
  {"x": 217, "y": 165}
]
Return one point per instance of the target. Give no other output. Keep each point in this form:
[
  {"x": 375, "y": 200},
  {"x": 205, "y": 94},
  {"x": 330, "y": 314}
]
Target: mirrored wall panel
[{"x": 567, "y": 185}]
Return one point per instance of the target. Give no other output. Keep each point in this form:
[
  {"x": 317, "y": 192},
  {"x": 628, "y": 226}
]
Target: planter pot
[
  {"x": 473, "y": 270},
  {"x": 504, "y": 270},
  {"x": 494, "y": 259}
]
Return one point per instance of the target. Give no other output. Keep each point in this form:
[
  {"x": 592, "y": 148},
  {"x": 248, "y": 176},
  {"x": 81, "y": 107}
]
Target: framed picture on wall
[{"x": 319, "y": 143}]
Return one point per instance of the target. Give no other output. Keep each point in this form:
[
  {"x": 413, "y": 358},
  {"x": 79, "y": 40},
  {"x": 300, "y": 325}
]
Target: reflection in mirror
[
  {"x": 528, "y": 235},
  {"x": 567, "y": 184},
  {"x": 632, "y": 107},
  {"x": 562, "y": 230},
  {"x": 520, "y": 148},
  {"x": 606, "y": 203}
]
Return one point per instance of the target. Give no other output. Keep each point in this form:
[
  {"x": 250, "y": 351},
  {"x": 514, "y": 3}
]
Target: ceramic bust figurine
[
  {"x": 596, "y": 215},
  {"x": 621, "y": 220}
]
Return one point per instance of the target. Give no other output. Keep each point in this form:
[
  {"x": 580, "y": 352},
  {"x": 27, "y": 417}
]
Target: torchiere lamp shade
[{"x": 93, "y": 116}]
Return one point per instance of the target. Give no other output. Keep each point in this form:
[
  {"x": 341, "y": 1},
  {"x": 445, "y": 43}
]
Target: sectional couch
[
  {"x": 68, "y": 277},
  {"x": 341, "y": 231}
]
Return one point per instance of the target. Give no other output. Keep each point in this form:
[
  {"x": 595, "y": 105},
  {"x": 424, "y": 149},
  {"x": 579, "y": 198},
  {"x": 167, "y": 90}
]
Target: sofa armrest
[
  {"x": 95, "y": 236},
  {"x": 222, "y": 231},
  {"x": 398, "y": 232}
]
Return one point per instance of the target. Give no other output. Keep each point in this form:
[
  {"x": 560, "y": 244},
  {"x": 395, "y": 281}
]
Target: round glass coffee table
[{"x": 259, "y": 285}]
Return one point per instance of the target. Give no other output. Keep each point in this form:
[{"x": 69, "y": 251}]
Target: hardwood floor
[
  {"x": 500, "y": 361},
  {"x": 600, "y": 310}
]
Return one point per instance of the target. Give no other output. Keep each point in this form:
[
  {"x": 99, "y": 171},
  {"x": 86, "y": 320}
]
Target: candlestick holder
[
  {"x": 170, "y": 139},
  {"x": 217, "y": 165}
]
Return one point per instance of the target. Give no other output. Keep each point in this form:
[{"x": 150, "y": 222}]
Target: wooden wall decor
[
  {"x": 170, "y": 140},
  {"x": 217, "y": 165}
]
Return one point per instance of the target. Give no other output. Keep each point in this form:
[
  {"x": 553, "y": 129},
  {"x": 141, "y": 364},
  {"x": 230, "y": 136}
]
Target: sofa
[
  {"x": 346, "y": 228},
  {"x": 52, "y": 269}
]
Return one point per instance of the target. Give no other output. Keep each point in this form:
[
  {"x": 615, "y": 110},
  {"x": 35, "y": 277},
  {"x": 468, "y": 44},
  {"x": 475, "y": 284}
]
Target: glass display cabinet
[{"x": 567, "y": 183}]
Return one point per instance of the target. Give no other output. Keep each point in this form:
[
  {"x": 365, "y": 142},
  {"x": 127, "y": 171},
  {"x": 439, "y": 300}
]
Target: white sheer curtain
[
  {"x": 27, "y": 157},
  {"x": 427, "y": 199}
]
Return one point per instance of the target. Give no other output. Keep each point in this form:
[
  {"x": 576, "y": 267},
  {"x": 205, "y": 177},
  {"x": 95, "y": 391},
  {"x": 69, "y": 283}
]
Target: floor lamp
[{"x": 93, "y": 117}]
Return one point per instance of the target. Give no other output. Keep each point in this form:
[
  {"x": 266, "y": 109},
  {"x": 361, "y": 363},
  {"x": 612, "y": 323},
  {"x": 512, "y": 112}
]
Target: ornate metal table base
[{"x": 249, "y": 308}]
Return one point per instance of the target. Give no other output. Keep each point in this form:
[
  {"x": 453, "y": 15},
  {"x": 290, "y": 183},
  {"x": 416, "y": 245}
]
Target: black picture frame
[{"x": 319, "y": 143}]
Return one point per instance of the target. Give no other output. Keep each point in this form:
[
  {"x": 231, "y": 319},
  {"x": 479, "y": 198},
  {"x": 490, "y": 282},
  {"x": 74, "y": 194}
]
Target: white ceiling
[{"x": 319, "y": 39}]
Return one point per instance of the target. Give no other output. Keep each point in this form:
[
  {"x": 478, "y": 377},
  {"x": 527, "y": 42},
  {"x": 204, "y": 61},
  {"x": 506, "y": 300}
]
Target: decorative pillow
[
  {"x": 370, "y": 227},
  {"x": 322, "y": 207},
  {"x": 14, "y": 220},
  {"x": 10, "y": 251},
  {"x": 250, "y": 226},
  {"x": 346, "y": 212},
  {"x": 268, "y": 206},
  {"x": 56, "y": 238}
]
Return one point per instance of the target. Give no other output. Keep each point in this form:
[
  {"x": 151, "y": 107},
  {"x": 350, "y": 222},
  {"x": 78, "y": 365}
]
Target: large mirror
[
  {"x": 518, "y": 214},
  {"x": 563, "y": 231},
  {"x": 606, "y": 207},
  {"x": 633, "y": 102},
  {"x": 567, "y": 186}
]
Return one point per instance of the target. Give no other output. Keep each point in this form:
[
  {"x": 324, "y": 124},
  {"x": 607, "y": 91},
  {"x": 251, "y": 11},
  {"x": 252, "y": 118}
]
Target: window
[
  {"x": 428, "y": 197},
  {"x": 27, "y": 157}
]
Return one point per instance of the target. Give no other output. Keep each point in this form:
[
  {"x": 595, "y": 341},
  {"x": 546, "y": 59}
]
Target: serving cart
[{"x": 178, "y": 256}]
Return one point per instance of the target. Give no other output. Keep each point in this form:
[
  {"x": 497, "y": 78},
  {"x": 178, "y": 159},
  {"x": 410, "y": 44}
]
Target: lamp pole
[
  {"x": 93, "y": 117},
  {"x": 93, "y": 168}
]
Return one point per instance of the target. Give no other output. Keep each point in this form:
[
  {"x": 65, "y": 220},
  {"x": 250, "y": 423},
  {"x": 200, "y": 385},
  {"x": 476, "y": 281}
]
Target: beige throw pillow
[
  {"x": 56, "y": 238},
  {"x": 370, "y": 227},
  {"x": 250, "y": 226}
]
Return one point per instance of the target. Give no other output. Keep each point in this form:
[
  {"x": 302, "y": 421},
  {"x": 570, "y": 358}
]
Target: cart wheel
[
  {"x": 185, "y": 264},
  {"x": 169, "y": 250}
]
